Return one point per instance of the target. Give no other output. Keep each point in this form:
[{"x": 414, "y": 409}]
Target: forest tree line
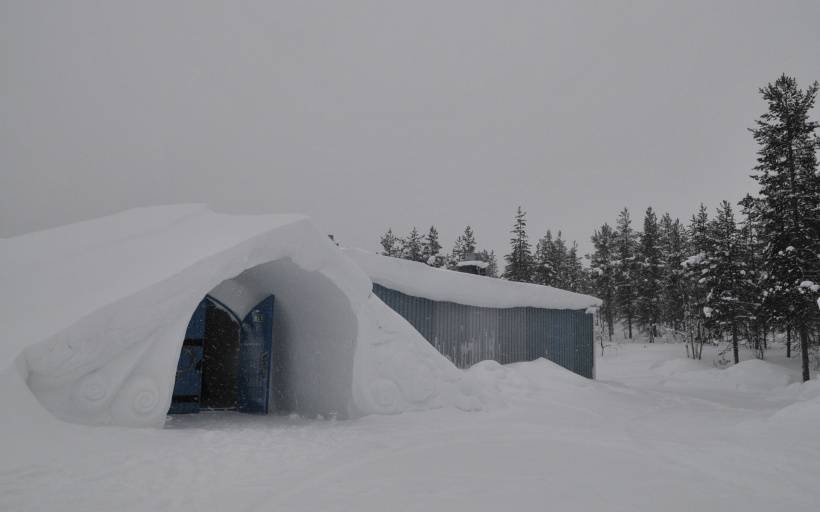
[{"x": 740, "y": 272}]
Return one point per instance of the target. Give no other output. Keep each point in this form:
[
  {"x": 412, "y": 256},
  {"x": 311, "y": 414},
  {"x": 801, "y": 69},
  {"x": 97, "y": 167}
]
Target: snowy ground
[{"x": 655, "y": 432}]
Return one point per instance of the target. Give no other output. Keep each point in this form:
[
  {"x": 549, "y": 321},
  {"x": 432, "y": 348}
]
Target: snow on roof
[
  {"x": 420, "y": 280},
  {"x": 473, "y": 263}
]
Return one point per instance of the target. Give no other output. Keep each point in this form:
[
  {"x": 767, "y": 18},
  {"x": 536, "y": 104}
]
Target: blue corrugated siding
[{"x": 469, "y": 334}]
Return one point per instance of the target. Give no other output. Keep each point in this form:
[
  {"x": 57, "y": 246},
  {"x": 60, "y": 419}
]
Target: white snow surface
[
  {"x": 94, "y": 315},
  {"x": 657, "y": 431},
  {"x": 473, "y": 263},
  {"x": 420, "y": 280}
]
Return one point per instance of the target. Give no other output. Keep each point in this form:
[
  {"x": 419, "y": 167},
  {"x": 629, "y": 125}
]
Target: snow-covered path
[{"x": 655, "y": 432}]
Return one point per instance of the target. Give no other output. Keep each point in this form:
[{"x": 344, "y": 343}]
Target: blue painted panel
[
  {"x": 196, "y": 326},
  {"x": 255, "y": 345},
  {"x": 469, "y": 334},
  {"x": 188, "y": 383}
]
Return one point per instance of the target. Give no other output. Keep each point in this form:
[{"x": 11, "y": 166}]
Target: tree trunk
[
  {"x": 788, "y": 341},
  {"x": 629, "y": 323},
  {"x": 804, "y": 350},
  {"x": 734, "y": 343},
  {"x": 610, "y": 323}
]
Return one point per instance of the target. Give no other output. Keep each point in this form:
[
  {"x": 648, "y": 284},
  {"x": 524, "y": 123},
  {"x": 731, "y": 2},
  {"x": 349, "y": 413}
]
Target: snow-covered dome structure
[{"x": 95, "y": 314}]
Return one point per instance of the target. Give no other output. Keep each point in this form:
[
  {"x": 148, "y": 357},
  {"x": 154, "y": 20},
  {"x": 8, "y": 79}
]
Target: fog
[{"x": 371, "y": 114}]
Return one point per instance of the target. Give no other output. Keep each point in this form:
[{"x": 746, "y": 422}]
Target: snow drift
[{"x": 94, "y": 316}]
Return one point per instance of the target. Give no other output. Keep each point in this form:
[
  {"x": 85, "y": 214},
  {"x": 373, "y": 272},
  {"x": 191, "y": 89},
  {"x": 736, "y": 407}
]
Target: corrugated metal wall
[{"x": 469, "y": 334}]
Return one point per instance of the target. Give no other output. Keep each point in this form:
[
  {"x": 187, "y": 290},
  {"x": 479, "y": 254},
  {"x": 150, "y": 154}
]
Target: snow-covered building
[
  {"x": 470, "y": 318},
  {"x": 119, "y": 319}
]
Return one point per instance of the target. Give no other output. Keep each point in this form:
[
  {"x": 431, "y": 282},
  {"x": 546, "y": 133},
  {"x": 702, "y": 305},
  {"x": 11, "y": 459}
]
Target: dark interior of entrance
[{"x": 225, "y": 362}]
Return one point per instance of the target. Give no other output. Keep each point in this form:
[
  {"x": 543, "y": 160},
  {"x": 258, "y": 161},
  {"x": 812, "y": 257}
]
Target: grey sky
[{"x": 374, "y": 114}]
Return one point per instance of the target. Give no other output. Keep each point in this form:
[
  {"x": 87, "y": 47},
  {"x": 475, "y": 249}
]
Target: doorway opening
[{"x": 225, "y": 362}]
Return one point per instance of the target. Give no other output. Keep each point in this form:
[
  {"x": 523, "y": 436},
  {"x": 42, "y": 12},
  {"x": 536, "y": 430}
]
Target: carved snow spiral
[{"x": 139, "y": 402}]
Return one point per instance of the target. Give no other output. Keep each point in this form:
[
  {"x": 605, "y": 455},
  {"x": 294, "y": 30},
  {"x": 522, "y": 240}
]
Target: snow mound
[
  {"x": 94, "y": 315},
  {"x": 747, "y": 376},
  {"x": 420, "y": 280},
  {"x": 522, "y": 380},
  {"x": 675, "y": 366}
]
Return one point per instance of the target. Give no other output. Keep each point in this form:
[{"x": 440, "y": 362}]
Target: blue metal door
[
  {"x": 188, "y": 384},
  {"x": 255, "y": 344}
]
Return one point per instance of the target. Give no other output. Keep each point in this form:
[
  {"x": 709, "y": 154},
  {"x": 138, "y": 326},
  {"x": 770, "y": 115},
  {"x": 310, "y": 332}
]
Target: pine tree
[
  {"x": 431, "y": 248},
  {"x": 625, "y": 270},
  {"x": 575, "y": 274},
  {"x": 758, "y": 314},
  {"x": 413, "y": 246},
  {"x": 465, "y": 244},
  {"x": 790, "y": 215},
  {"x": 391, "y": 244},
  {"x": 543, "y": 271},
  {"x": 603, "y": 269},
  {"x": 725, "y": 277},
  {"x": 649, "y": 275},
  {"x": 673, "y": 242},
  {"x": 695, "y": 266},
  {"x": 492, "y": 267},
  {"x": 519, "y": 261},
  {"x": 558, "y": 260}
]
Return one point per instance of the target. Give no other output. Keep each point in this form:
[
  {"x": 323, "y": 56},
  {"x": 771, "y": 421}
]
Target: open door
[
  {"x": 188, "y": 385},
  {"x": 225, "y": 364},
  {"x": 255, "y": 345}
]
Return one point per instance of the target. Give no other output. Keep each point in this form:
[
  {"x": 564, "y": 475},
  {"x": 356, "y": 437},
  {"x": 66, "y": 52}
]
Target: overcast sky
[{"x": 369, "y": 114}]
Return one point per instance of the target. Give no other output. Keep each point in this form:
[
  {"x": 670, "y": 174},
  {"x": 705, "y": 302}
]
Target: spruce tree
[
  {"x": 790, "y": 214},
  {"x": 391, "y": 244},
  {"x": 695, "y": 266},
  {"x": 465, "y": 244},
  {"x": 649, "y": 276},
  {"x": 413, "y": 246},
  {"x": 543, "y": 271},
  {"x": 432, "y": 247},
  {"x": 575, "y": 275},
  {"x": 559, "y": 261},
  {"x": 492, "y": 263},
  {"x": 603, "y": 269},
  {"x": 519, "y": 260},
  {"x": 759, "y": 313},
  {"x": 725, "y": 276},
  {"x": 673, "y": 295},
  {"x": 625, "y": 270}
]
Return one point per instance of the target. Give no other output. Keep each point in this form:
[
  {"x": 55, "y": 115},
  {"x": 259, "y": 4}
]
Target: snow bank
[
  {"x": 94, "y": 315},
  {"x": 752, "y": 375},
  {"x": 420, "y": 280}
]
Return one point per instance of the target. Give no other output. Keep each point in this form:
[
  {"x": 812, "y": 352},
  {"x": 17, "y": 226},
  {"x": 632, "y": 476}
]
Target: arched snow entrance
[
  {"x": 95, "y": 316},
  {"x": 274, "y": 338}
]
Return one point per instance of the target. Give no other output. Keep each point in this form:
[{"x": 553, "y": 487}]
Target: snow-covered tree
[
  {"x": 673, "y": 294},
  {"x": 432, "y": 248},
  {"x": 559, "y": 261},
  {"x": 391, "y": 244},
  {"x": 519, "y": 260},
  {"x": 492, "y": 263},
  {"x": 726, "y": 277},
  {"x": 413, "y": 248},
  {"x": 650, "y": 275},
  {"x": 465, "y": 244},
  {"x": 625, "y": 270},
  {"x": 543, "y": 271},
  {"x": 603, "y": 269},
  {"x": 790, "y": 214},
  {"x": 576, "y": 276}
]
